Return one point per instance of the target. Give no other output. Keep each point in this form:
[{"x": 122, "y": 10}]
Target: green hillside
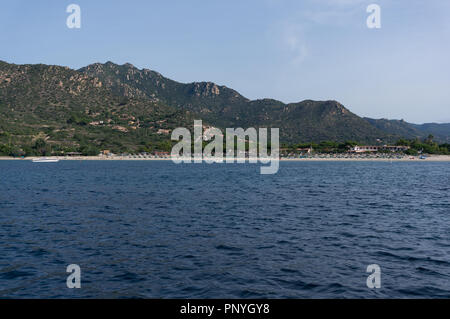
[{"x": 46, "y": 109}]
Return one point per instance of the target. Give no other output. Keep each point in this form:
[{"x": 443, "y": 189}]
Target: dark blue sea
[{"x": 150, "y": 229}]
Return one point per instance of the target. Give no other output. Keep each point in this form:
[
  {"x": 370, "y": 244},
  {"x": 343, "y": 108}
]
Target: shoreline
[{"x": 434, "y": 158}]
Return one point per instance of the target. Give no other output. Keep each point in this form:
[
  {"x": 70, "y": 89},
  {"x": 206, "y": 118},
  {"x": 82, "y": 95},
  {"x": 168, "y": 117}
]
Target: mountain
[
  {"x": 396, "y": 128},
  {"x": 441, "y": 131},
  {"x": 223, "y": 107},
  {"x": 122, "y": 108},
  {"x": 400, "y": 128},
  {"x": 127, "y": 80},
  {"x": 72, "y": 110}
]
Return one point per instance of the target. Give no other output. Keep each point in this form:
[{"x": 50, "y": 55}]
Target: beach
[{"x": 431, "y": 158}]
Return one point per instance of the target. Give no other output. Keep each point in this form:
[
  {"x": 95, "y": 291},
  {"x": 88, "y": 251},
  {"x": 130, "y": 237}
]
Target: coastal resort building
[
  {"x": 364, "y": 149},
  {"x": 373, "y": 148}
]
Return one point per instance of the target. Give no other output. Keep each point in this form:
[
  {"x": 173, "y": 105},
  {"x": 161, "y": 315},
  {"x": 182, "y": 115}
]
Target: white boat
[{"x": 45, "y": 160}]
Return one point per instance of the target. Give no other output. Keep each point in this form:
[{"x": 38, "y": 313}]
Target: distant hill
[
  {"x": 441, "y": 132},
  {"x": 396, "y": 128},
  {"x": 122, "y": 108},
  {"x": 72, "y": 110},
  {"x": 223, "y": 107}
]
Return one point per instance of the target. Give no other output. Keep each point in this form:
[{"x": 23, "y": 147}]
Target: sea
[{"x": 155, "y": 229}]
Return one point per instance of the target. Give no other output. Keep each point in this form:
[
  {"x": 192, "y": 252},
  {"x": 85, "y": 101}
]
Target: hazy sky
[{"x": 282, "y": 49}]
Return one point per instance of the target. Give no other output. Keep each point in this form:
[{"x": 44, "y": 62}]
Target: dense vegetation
[
  {"x": 428, "y": 146},
  {"x": 48, "y": 110},
  {"x": 417, "y": 147}
]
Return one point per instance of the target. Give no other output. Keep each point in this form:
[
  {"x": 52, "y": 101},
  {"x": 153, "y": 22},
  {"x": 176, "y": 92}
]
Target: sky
[{"x": 289, "y": 50}]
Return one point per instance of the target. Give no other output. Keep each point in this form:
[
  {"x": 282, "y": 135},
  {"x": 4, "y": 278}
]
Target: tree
[
  {"x": 402, "y": 142},
  {"x": 5, "y": 150},
  {"x": 41, "y": 148},
  {"x": 89, "y": 150},
  {"x": 78, "y": 119}
]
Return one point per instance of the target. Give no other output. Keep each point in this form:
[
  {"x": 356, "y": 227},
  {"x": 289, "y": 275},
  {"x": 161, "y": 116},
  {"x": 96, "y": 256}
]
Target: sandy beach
[{"x": 433, "y": 158}]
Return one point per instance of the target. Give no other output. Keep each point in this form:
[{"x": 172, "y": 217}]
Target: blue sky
[{"x": 289, "y": 50}]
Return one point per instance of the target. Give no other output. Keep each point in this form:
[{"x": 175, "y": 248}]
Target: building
[
  {"x": 163, "y": 131},
  {"x": 372, "y": 148},
  {"x": 364, "y": 149}
]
